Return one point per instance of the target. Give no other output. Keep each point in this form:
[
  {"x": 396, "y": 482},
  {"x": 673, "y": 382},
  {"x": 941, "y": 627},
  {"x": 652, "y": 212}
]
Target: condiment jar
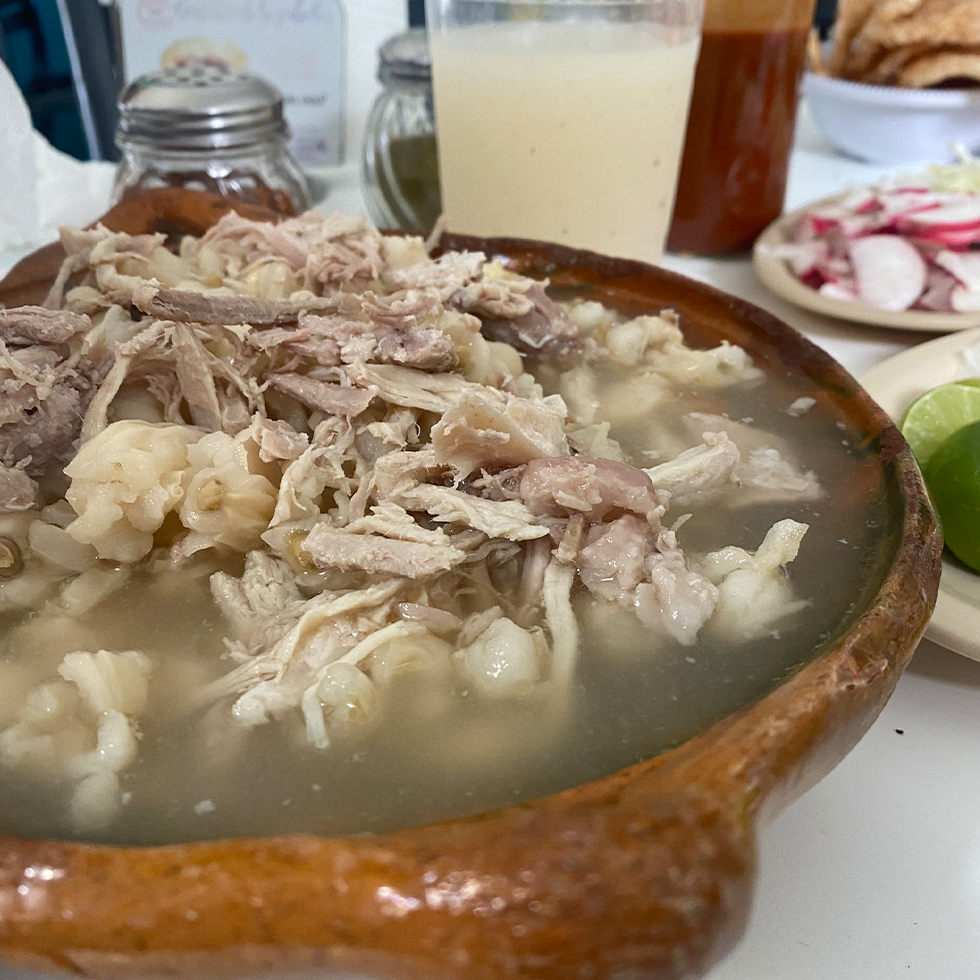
[
  {"x": 740, "y": 129},
  {"x": 399, "y": 171},
  {"x": 208, "y": 128}
]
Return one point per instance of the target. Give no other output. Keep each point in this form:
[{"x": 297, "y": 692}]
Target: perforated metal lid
[
  {"x": 199, "y": 107},
  {"x": 405, "y": 57}
]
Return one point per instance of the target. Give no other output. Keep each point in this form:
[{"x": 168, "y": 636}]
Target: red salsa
[{"x": 743, "y": 113}]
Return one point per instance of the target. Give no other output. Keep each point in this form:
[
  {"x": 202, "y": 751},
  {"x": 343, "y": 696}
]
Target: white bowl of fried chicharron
[{"x": 900, "y": 81}]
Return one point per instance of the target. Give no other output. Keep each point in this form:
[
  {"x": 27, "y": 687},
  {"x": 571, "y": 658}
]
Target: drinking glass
[
  {"x": 563, "y": 120},
  {"x": 743, "y": 114}
]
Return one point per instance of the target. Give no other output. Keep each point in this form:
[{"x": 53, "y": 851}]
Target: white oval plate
[
  {"x": 776, "y": 275},
  {"x": 894, "y": 385}
]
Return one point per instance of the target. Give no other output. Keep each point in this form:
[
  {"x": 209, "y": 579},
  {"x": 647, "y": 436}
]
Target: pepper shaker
[{"x": 399, "y": 165}]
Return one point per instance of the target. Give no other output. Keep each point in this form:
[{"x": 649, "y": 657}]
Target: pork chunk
[
  {"x": 705, "y": 467},
  {"x": 590, "y": 486},
  {"x": 337, "y": 548},
  {"x": 186, "y": 306},
  {"x": 411, "y": 388},
  {"x": 445, "y": 276},
  {"x": 17, "y": 490},
  {"x": 333, "y": 399},
  {"x": 544, "y": 330},
  {"x": 418, "y": 347},
  {"x": 611, "y": 565},
  {"x": 490, "y": 429},
  {"x": 27, "y": 325},
  {"x": 278, "y": 440}
]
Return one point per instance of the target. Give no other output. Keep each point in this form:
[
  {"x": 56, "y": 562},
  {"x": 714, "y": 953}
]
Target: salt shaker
[{"x": 208, "y": 128}]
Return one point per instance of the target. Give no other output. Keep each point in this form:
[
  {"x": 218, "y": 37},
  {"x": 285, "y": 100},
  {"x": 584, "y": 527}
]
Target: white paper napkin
[{"x": 41, "y": 188}]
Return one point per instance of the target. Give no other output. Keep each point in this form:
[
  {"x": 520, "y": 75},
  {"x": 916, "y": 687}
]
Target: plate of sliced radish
[
  {"x": 904, "y": 254},
  {"x": 895, "y": 384}
]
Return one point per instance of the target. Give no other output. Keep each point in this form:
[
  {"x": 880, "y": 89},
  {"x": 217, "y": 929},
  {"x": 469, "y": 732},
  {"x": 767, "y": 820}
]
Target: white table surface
[{"x": 875, "y": 873}]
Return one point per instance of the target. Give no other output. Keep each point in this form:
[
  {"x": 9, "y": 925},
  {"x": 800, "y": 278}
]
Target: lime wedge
[
  {"x": 953, "y": 478},
  {"x": 934, "y": 416}
]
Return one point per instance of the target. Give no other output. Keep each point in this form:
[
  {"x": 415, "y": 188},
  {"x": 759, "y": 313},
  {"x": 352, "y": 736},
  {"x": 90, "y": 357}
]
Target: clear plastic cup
[{"x": 563, "y": 120}]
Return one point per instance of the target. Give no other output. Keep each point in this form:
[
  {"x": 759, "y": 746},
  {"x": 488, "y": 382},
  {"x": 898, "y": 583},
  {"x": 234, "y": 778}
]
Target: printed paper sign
[{"x": 298, "y": 45}]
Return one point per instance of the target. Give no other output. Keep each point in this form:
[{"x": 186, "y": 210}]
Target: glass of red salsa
[{"x": 740, "y": 129}]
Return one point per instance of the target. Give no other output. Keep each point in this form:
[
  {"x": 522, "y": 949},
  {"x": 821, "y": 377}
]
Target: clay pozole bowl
[{"x": 647, "y": 872}]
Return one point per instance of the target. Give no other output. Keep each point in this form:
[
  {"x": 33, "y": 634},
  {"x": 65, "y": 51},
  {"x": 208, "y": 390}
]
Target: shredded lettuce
[{"x": 960, "y": 177}]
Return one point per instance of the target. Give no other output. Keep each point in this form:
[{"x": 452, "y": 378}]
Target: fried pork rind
[
  {"x": 932, "y": 69},
  {"x": 852, "y": 16},
  {"x": 887, "y": 69},
  {"x": 926, "y": 22},
  {"x": 908, "y": 43}
]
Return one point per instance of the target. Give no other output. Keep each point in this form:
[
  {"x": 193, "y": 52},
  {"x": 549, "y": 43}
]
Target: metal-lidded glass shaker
[
  {"x": 399, "y": 167},
  {"x": 208, "y": 128}
]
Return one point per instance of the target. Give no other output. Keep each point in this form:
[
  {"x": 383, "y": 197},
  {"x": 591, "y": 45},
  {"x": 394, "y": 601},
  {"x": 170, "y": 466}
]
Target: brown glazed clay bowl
[{"x": 646, "y": 873}]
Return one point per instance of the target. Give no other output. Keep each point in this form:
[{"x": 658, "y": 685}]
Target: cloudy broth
[{"x": 434, "y": 751}]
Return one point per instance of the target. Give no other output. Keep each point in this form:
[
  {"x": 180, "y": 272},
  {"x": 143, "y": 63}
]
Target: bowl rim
[
  {"x": 646, "y": 870},
  {"x": 890, "y": 96}
]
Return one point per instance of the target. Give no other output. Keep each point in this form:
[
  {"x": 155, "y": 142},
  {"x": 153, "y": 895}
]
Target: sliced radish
[
  {"x": 890, "y": 273},
  {"x": 965, "y": 266},
  {"x": 926, "y": 247},
  {"x": 845, "y": 290},
  {"x": 859, "y": 225},
  {"x": 943, "y": 236},
  {"x": 851, "y": 203},
  {"x": 900, "y": 205},
  {"x": 894, "y": 248},
  {"x": 810, "y": 255},
  {"x": 964, "y": 299},
  {"x": 939, "y": 289},
  {"x": 835, "y": 270},
  {"x": 801, "y": 256},
  {"x": 847, "y": 226},
  {"x": 815, "y": 225},
  {"x": 857, "y": 200},
  {"x": 840, "y": 246},
  {"x": 958, "y": 214}
]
